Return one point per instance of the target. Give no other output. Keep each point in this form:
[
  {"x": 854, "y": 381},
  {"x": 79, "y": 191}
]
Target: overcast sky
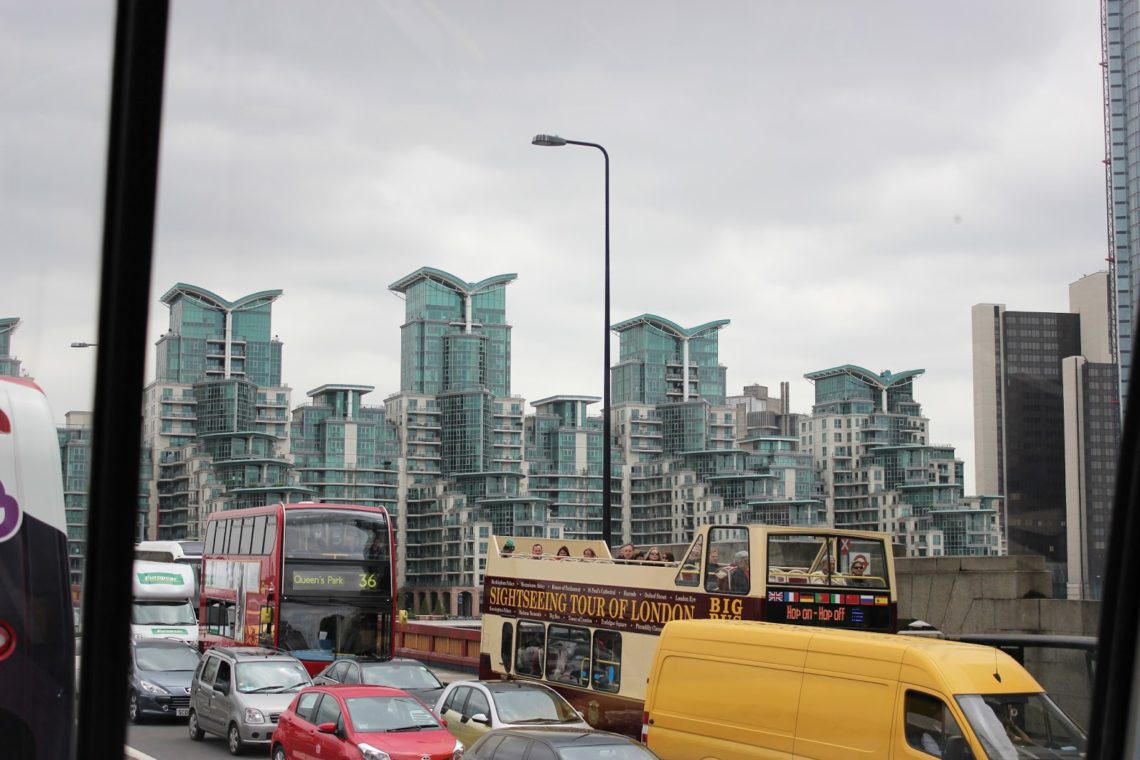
[{"x": 842, "y": 180}]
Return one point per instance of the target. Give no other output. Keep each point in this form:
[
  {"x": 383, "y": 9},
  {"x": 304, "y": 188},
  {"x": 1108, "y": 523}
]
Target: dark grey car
[
  {"x": 161, "y": 670},
  {"x": 399, "y": 672}
]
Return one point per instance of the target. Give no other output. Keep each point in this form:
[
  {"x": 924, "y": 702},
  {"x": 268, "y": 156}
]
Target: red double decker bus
[{"x": 316, "y": 580}]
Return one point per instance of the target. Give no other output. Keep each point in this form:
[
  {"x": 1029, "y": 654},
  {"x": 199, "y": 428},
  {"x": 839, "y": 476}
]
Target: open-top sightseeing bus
[
  {"x": 588, "y": 625},
  {"x": 317, "y": 580}
]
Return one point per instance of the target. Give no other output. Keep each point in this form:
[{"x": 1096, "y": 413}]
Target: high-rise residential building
[
  {"x": 689, "y": 459},
  {"x": 879, "y": 471},
  {"x": 460, "y": 434},
  {"x": 1120, "y": 43},
  {"x": 75, "y": 458},
  {"x": 215, "y": 420},
  {"x": 9, "y": 365},
  {"x": 564, "y": 462},
  {"x": 661, "y": 362},
  {"x": 1047, "y": 428},
  {"x": 344, "y": 450}
]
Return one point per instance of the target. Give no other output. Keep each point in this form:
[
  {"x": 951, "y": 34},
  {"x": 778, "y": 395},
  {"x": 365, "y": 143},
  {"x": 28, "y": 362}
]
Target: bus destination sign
[{"x": 337, "y": 580}]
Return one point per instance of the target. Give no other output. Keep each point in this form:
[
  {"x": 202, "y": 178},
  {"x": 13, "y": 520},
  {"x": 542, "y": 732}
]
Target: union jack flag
[{"x": 775, "y": 596}]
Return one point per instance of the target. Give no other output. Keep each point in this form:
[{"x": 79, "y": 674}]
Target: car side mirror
[
  {"x": 327, "y": 728},
  {"x": 481, "y": 718},
  {"x": 222, "y": 688}
]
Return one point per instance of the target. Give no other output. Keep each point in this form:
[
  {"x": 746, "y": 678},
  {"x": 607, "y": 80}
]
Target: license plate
[{"x": 182, "y": 712}]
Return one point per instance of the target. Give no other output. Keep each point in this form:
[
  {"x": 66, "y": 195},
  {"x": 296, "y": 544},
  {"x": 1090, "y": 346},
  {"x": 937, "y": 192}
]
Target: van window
[
  {"x": 568, "y": 655},
  {"x": 532, "y": 640},
  {"x": 930, "y": 726},
  {"x": 607, "y": 661}
]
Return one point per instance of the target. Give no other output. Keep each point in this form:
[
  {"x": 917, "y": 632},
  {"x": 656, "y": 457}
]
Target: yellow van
[{"x": 737, "y": 690}]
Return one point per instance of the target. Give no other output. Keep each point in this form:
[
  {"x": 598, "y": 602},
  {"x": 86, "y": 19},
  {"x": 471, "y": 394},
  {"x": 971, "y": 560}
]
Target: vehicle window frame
[
  {"x": 206, "y": 675},
  {"x": 331, "y": 699},
  {"x": 457, "y": 699},
  {"x": 614, "y": 678},
  {"x": 307, "y": 716},
  {"x": 932, "y": 700},
  {"x": 469, "y": 710},
  {"x": 508, "y": 743},
  {"x": 222, "y": 662},
  {"x": 541, "y": 751},
  {"x": 353, "y": 673},
  {"x": 527, "y": 630}
]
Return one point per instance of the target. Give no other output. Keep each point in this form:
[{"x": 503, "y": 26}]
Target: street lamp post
[{"x": 555, "y": 141}]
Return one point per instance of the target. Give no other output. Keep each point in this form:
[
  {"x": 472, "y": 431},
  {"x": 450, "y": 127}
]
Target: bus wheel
[
  {"x": 196, "y": 732},
  {"x": 233, "y": 739}
]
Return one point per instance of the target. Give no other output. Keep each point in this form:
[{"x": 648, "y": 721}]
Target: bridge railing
[{"x": 445, "y": 646}]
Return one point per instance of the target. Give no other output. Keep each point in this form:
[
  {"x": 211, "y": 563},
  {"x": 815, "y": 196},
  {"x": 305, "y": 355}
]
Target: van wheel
[
  {"x": 196, "y": 732},
  {"x": 279, "y": 753},
  {"x": 233, "y": 740}
]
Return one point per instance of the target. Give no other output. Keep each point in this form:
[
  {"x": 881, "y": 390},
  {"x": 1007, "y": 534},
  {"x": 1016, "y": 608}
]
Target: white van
[{"x": 163, "y": 604}]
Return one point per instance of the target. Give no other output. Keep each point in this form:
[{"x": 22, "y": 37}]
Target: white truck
[{"x": 163, "y": 606}]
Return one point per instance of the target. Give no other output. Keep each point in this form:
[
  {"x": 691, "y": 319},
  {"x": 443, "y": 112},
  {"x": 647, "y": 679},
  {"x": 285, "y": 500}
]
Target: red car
[{"x": 355, "y": 722}]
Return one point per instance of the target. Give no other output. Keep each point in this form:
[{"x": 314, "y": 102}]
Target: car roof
[
  {"x": 252, "y": 653},
  {"x": 562, "y": 737},
  {"x": 378, "y": 660},
  {"x": 348, "y": 690}
]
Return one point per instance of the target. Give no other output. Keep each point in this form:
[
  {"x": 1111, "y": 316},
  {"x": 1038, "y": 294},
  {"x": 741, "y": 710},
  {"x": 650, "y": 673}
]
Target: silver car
[{"x": 239, "y": 692}]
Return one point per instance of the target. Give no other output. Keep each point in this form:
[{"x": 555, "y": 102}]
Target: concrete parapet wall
[{"x": 989, "y": 595}]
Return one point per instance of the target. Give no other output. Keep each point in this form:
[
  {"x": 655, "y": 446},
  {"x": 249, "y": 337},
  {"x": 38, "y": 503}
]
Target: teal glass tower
[
  {"x": 460, "y": 436},
  {"x": 345, "y": 450},
  {"x": 661, "y": 362},
  {"x": 880, "y": 471},
  {"x": 216, "y": 418}
]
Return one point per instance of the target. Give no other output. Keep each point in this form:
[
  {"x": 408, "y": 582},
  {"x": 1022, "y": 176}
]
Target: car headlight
[
  {"x": 253, "y": 715},
  {"x": 151, "y": 688},
  {"x": 368, "y": 752},
  {"x": 457, "y": 751}
]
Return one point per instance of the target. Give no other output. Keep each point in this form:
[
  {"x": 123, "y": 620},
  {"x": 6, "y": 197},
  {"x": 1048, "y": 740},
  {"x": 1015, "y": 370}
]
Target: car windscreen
[
  {"x": 163, "y": 613},
  {"x": 533, "y": 706},
  {"x": 399, "y": 676},
  {"x": 1013, "y": 726},
  {"x": 389, "y": 714},
  {"x": 271, "y": 677},
  {"x": 165, "y": 658}
]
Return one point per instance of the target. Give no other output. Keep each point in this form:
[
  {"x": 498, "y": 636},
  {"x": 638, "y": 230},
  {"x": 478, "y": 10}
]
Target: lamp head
[{"x": 550, "y": 141}]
